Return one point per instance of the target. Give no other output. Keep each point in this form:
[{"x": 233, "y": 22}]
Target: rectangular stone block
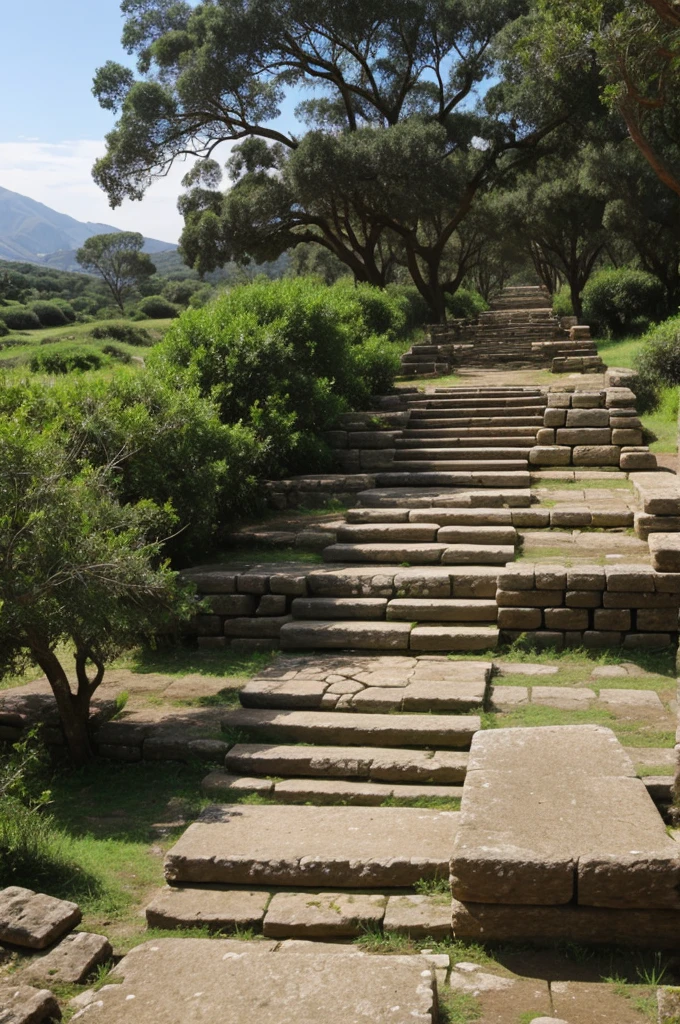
[
  {"x": 638, "y": 600},
  {"x": 550, "y": 577},
  {"x": 665, "y": 551},
  {"x": 272, "y": 604},
  {"x": 657, "y": 620},
  {"x": 549, "y": 455},
  {"x": 529, "y": 598},
  {"x": 583, "y": 599},
  {"x": 546, "y": 435},
  {"x": 612, "y": 619},
  {"x": 584, "y": 436},
  {"x": 588, "y": 399},
  {"x": 587, "y": 418},
  {"x": 553, "y": 417},
  {"x": 232, "y": 604},
  {"x": 586, "y": 577},
  {"x": 259, "y": 629},
  {"x": 516, "y": 577},
  {"x": 625, "y": 436},
  {"x": 559, "y": 400},
  {"x": 600, "y": 639},
  {"x": 626, "y": 578},
  {"x": 566, "y": 618},
  {"x": 520, "y": 618},
  {"x": 323, "y": 915},
  {"x": 658, "y": 493},
  {"x": 596, "y": 455},
  {"x": 33, "y": 919}
]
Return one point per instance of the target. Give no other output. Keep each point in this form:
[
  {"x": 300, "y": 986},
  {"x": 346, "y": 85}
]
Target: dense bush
[
  {"x": 122, "y": 332},
  {"x": 157, "y": 307},
  {"x": 169, "y": 446},
  {"x": 4, "y": 329},
  {"x": 285, "y": 357},
  {"x": 66, "y": 359},
  {"x": 561, "y": 303},
  {"x": 49, "y": 314},
  {"x": 622, "y": 301},
  {"x": 658, "y": 363},
  {"x": 66, "y": 308},
  {"x": 19, "y": 318},
  {"x": 117, "y": 353},
  {"x": 465, "y": 304}
]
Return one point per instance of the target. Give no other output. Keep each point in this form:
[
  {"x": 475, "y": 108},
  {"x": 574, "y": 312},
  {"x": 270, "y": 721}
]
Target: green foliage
[
  {"x": 19, "y": 318},
  {"x": 285, "y": 358},
  {"x": 157, "y": 307},
  {"x": 561, "y": 303},
  {"x": 123, "y": 332},
  {"x": 622, "y": 301},
  {"x": 49, "y": 314},
  {"x": 118, "y": 259},
  {"x": 465, "y": 303},
  {"x": 658, "y": 363},
  {"x": 66, "y": 359},
  {"x": 4, "y": 329}
]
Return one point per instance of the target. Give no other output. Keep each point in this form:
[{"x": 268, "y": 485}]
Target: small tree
[
  {"x": 77, "y": 570},
  {"x": 118, "y": 259}
]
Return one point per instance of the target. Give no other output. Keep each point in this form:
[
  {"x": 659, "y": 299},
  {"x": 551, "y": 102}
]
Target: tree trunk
[
  {"x": 577, "y": 305},
  {"x": 74, "y": 710}
]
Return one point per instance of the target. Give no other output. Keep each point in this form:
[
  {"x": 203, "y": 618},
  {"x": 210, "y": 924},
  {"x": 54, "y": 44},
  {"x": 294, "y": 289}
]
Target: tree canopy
[
  {"x": 118, "y": 259},
  {"x": 401, "y": 130}
]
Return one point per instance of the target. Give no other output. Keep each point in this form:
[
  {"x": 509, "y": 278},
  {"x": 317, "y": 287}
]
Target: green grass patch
[
  {"x": 437, "y": 803},
  {"x": 259, "y": 554},
  {"x": 458, "y": 1008},
  {"x": 181, "y": 661},
  {"x": 663, "y": 423},
  {"x": 661, "y": 662},
  {"x": 615, "y": 484},
  {"x": 629, "y": 733}
]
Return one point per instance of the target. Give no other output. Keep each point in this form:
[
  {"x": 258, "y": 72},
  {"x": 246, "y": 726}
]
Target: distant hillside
[{"x": 32, "y": 232}]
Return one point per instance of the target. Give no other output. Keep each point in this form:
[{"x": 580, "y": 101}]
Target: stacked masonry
[
  {"x": 520, "y": 330},
  {"x": 539, "y": 854}
]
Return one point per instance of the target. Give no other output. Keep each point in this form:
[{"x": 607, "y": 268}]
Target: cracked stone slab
[
  {"x": 71, "y": 961},
  {"x": 34, "y": 919},
  {"x": 23, "y": 1004},
  {"x": 185, "y": 907},
  {"x": 332, "y": 914},
  {"x": 173, "y": 981},
  {"x": 330, "y": 847}
]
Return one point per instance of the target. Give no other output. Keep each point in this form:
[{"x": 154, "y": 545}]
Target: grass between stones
[
  {"x": 616, "y": 483},
  {"x": 630, "y": 733},
  {"x": 260, "y": 554}
]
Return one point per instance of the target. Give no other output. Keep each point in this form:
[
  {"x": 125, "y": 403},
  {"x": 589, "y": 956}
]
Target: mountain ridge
[{"x": 32, "y": 232}]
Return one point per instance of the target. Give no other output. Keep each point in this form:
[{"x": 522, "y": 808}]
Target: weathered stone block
[
  {"x": 626, "y": 436},
  {"x": 559, "y": 400},
  {"x": 23, "y": 1004},
  {"x": 545, "y": 455},
  {"x": 566, "y": 618},
  {"x": 550, "y": 577},
  {"x": 546, "y": 435},
  {"x": 657, "y": 620},
  {"x": 583, "y": 599},
  {"x": 554, "y": 417},
  {"x": 586, "y": 577},
  {"x": 623, "y": 578},
  {"x": 612, "y": 619},
  {"x": 272, "y": 604},
  {"x": 34, "y": 920},
  {"x": 520, "y": 618},
  {"x": 587, "y": 399},
  {"x": 587, "y": 418},
  {"x": 71, "y": 961},
  {"x": 263, "y": 628},
  {"x": 665, "y": 551},
  {"x": 584, "y": 436},
  {"x": 599, "y": 638},
  {"x": 596, "y": 455},
  {"x": 529, "y": 598},
  {"x": 232, "y": 604}
]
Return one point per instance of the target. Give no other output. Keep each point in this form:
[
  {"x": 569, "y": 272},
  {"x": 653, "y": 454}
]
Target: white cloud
[{"x": 59, "y": 175}]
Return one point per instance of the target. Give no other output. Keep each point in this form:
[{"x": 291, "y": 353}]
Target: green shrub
[
  {"x": 285, "y": 357},
  {"x": 621, "y": 302},
  {"x": 122, "y": 332},
  {"x": 157, "y": 307},
  {"x": 4, "y": 329},
  {"x": 418, "y": 313},
  {"x": 66, "y": 308},
  {"x": 561, "y": 303},
  {"x": 19, "y": 318},
  {"x": 66, "y": 359},
  {"x": 117, "y": 353},
  {"x": 49, "y": 314},
  {"x": 465, "y": 304},
  {"x": 658, "y": 363}
]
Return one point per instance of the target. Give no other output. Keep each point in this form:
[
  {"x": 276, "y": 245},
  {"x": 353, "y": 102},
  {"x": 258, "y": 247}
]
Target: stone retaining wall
[
  {"x": 589, "y": 605},
  {"x": 591, "y": 428}
]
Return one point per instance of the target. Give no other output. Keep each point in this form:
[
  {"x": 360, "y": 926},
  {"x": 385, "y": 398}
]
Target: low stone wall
[
  {"x": 591, "y": 428},
  {"x": 589, "y": 605},
  {"x": 316, "y": 491}
]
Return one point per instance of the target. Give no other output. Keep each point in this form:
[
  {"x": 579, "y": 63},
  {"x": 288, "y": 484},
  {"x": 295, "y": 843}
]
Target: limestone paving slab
[
  {"x": 33, "y": 919},
  {"x": 187, "y": 907},
  {"x": 327, "y": 914},
  {"x": 419, "y": 916},
  {"x": 288, "y": 693},
  {"x": 497, "y": 922},
  {"x": 357, "y": 729},
  {"x": 529, "y": 837},
  {"x": 371, "y": 635},
  {"x": 173, "y": 981},
  {"x": 24, "y": 1004},
  {"x": 70, "y": 962},
  {"x": 325, "y": 846}
]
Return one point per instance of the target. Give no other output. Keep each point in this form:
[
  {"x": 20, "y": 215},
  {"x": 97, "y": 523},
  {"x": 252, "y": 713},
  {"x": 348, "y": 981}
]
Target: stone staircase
[{"x": 519, "y": 331}]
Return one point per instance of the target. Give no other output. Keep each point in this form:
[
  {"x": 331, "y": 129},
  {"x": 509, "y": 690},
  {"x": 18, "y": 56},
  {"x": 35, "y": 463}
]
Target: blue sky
[{"x": 51, "y": 126}]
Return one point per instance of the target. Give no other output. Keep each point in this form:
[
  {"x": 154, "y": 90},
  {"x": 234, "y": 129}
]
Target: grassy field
[{"x": 17, "y": 348}]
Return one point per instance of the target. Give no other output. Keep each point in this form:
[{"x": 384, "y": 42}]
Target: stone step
[
  {"x": 301, "y": 915},
  {"x": 383, "y": 636},
  {"x": 436, "y": 421},
  {"x": 329, "y": 847},
  {"x": 438, "y": 516},
  {"x": 444, "y": 478},
  {"x": 487, "y": 553},
  {"x": 460, "y": 433},
  {"x": 422, "y": 498},
  {"x": 459, "y": 442},
  {"x": 372, "y": 764},
  {"x": 427, "y": 532},
  {"x": 442, "y": 462},
  {"x": 442, "y": 610},
  {"x": 317, "y": 608},
  {"x": 453, "y": 732},
  {"x": 223, "y": 981},
  {"x": 324, "y": 791},
  {"x": 548, "y": 837},
  {"x": 484, "y": 457}
]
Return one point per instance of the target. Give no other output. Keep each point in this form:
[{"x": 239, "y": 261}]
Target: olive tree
[{"x": 118, "y": 259}]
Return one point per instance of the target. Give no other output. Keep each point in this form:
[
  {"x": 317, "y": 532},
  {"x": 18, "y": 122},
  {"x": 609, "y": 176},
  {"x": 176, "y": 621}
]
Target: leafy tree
[
  {"x": 76, "y": 569},
  {"x": 118, "y": 259},
  {"x": 560, "y": 222},
  {"x": 636, "y": 44},
  {"x": 394, "y": 153}
]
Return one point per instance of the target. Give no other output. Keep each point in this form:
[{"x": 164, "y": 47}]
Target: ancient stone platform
[
  {"x": 342, "y": 847},
  {"x": 174, "y": 981}
]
